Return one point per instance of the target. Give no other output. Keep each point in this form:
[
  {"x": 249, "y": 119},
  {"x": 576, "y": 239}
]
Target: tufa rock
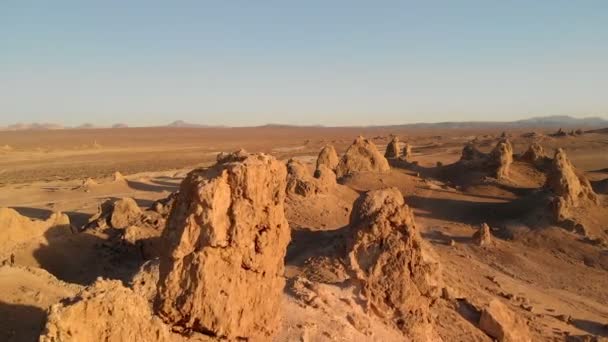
[
  {"x": 483, "y": 237},
  {"x": 534, "y": 154},
  {"x": 301, "y": 182},
  {"x": 570, "y": 187},
  {"x": 393, "y": 149},
  {"x": 407, "y": 151},
  {"x": 501, "y": 158},
  {"x": 328, "y": 157},
  {"x": 361, "y": 156},
  {"x": 498, "y": 321},
  {"x": 104, "y": 311},
  {"x": 221, "y": 272},
  {"x": 398, "y": 272}
]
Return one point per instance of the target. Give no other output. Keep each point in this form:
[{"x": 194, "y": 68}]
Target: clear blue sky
[{"x": 301, "y": 62}]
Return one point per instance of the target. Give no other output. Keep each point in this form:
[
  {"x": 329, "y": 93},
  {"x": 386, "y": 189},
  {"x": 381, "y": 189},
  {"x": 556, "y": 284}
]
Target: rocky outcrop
[
  {"x": 163, "y": 206},
  {"x": 398, "y": 272},
  {"x": 328, "y": 157},
  {"x": 570, "y": 188},
  {"x": 104, "y": 311},
  {"x": 501, "y": 158},
  {"x": 483, "y": 237},
  {"x": 361, "y": 156},
  {"x": 221, "y": 272},
  {"x": 498, "y": 321},
  {"x": 393, "y": 149}
]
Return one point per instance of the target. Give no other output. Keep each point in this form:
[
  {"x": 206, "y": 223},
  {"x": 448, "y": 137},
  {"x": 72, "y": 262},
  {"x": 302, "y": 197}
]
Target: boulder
[
  {"x": 118, "y": 177},
  {"x": 362, "y": 156},
  {"x": 393, "y": 149},
  {"x": 328, "y": 157},
  {"x": 399, "y": 274},
  {"x": 498, "y": 321},
  {"x": 221, "y": 269},
  {"x": 118, "y": 214}
]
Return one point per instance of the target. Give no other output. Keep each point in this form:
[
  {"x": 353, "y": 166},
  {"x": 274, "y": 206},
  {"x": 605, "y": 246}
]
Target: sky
[{"x": 329, "y": 62}]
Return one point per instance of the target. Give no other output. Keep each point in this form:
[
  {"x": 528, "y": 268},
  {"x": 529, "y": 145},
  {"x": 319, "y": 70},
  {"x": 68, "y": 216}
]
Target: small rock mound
[
  {"x": 483, "y": 237},
  {"x": 301, "y": 182},
  {"x": 570, "y": 187},
  {"x": 362, "y": 156},
  {"x": 230, "y": 218},
  {"x": 88, "y": 183},
  {"x": 534, "y": 153},
  {"x": 328, "y": 157},
  {"x": 498, "y": 321},
  {"x": 393, "y": 149},
  {"x": 117, "y": 214},
  {"x": 398, "y": 272},
  {"x": 501, "y": 158},
  {"x": 104, "y": 311}
]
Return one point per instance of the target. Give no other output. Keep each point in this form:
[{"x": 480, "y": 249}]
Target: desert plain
[{"x": 401, "y": 234}]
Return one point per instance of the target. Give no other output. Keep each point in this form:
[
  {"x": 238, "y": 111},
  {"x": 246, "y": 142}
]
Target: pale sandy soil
[{"x": 540, "y": 272}]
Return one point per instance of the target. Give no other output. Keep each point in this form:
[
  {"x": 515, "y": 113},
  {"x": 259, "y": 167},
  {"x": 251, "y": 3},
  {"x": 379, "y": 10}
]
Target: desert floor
[{"x": 557, "y": 280}]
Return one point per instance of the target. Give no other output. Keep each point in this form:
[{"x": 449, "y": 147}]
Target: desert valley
[{"x": 284, "y": 233}]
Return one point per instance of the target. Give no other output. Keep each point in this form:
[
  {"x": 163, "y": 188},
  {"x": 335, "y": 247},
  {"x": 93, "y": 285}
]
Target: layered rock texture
[
  {"x": 361, "y": 156},
  {"x": 221, "y": 272},
  {"x": 398, "y": 272}
]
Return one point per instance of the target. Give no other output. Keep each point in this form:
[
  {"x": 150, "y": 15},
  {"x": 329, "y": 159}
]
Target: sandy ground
[{"x": 544, "y": 274}]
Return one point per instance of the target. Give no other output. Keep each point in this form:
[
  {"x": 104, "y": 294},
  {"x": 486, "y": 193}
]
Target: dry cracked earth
[{"x": 303, "y": 234}]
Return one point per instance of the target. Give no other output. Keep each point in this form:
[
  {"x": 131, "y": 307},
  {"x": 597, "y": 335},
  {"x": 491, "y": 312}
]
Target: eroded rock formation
[
  {"x": 301, "y": 182},
  {"x": 483, "y": 237},
  {"x": 570, "y": 187},
  {"x": 328, "y": 157},
  {"x": 221, "y": 273},
  {"x": 398, "y": 272},
  {"x": 361, "y": 156},
  {"x": 393, "y": 149},
  {"x": 501, "y": 158},
  {"x": 534, "y": 154}
]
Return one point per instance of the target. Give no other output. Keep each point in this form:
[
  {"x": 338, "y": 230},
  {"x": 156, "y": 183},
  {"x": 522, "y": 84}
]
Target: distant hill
[
  {"x": 32, "y": 126},
  {"x": 553, "y": 122}
]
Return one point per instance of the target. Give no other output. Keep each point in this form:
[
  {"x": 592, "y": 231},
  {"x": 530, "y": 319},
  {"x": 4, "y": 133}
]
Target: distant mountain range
[{"x": 555, "y": 121}]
